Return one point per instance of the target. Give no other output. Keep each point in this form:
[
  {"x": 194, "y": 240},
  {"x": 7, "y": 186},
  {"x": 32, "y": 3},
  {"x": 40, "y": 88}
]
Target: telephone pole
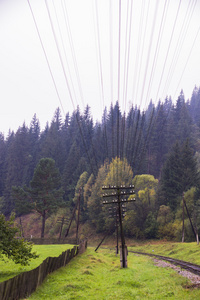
[{"x": 118, "y": 193}]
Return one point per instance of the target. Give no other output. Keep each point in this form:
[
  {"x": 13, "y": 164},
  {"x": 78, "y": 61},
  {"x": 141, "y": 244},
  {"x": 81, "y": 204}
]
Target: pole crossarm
[
  {"x": 114, "y": 187},
  {"x": 121, "y": 201}
]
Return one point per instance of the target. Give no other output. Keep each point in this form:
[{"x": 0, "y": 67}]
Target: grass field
[
  {"x": 99, "y": 276},
  {"x": 9, "y": 269},
  {"x": 183, "y": 251}
]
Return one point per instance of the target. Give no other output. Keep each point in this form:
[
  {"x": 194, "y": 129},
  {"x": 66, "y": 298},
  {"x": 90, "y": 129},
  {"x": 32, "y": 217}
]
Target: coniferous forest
[{"x": 160, "y": 150}]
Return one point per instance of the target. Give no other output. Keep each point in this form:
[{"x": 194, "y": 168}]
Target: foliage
[
  {"x": 44, "y": 195},
  {"x": 144, "y": 208},
  {"x": 117, "y": 171},
  {"x": 179, "y": 174},
  {"x": 14, "y": 248}
]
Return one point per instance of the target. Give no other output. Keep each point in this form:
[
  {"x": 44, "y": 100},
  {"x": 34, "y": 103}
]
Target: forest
[{"x": 157, "y": 150}]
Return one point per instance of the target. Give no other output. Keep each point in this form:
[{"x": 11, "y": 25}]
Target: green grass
[
  {"x": 99, "y": 276},
  {"x": 184, "y": 251},
  {"x": 9, "y": 269}
]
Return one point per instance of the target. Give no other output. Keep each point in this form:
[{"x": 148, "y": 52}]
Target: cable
[
  {"x": 135, "y": 76},
  {"x": 187, "y": 60},
  {"x": 141, "y": 56},
  {"x": 163, "y": 20},
  {"x": 166, "y": 57},
  {"x": 64, "y": 50},
  {"x": 181, "y": 39},
  {"x": 149, "y": 49},
  {"x": 67, "y": 23},
  {"x": 45, "y": 54},
  {"x": 111, "y": 49},
  {"x": 59, "y": 54}
]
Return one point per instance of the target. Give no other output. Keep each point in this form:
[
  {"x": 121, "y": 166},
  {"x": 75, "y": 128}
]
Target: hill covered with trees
[{"x": 159, "y": 146}]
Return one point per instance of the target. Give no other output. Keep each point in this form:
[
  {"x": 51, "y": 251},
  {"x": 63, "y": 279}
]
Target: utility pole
[
  {"x": 63, "y": 221},
  {"x": 193, "y": 229},
  {"x": 77, "y": 206},
  {"x": 119, "y": 192},
  {"x": 77, "y": 224},
  {"x": 183, "y": 227}
]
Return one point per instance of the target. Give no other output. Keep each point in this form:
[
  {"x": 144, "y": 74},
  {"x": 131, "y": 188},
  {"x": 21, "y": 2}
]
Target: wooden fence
[{"x": 22, "y": 285}]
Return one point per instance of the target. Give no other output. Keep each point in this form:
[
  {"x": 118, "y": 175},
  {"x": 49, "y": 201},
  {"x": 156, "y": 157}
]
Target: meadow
[
  {"x": 98, "y": 275},
  {"x": 184, "y": 251},
  {"x": 9, "y": 269}
]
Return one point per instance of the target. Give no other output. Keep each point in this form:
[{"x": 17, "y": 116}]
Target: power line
[
  {"x": 166, "y": 57},
  {"x": 182, "y": 35},
  {"x": 189, "y": 55},
  {"x": 45, "y": 54},
  {"x": 163, "y": 20},
  {"x": 67, "y": 23},
  {"x": 59, "y": 54}
]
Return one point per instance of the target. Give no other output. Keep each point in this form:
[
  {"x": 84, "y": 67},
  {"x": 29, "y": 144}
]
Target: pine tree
[
  {"x": 171, "y": 182},
  {"x": 44, "y": 194}
]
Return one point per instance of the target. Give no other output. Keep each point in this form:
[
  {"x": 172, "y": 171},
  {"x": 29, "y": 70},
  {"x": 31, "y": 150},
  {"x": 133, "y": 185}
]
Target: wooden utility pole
[
  {"x": 63, "y": 221},
  {"x": 77, "y": 206},
  {"x": 118, "y": 193},
  {"x": 77, "y": 224},
  {"x": 183, "y": 228},
  {"x": 193, "y": 229}
]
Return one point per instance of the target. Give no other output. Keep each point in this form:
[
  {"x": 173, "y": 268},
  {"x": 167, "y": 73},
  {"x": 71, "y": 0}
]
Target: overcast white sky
[{"x": 159, "y": 55}]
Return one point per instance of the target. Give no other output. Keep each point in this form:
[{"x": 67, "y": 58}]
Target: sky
[{"x": 69, "y": 53}]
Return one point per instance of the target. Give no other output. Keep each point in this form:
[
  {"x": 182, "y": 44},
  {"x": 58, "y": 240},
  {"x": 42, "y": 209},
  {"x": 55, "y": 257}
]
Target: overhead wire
[
  {"x": 179, "y": 45},
  {"x": 59, "y": 54},
  {"x": 162, "y": 25},
  {"x": 168, "y": 49},
  {"x": 64, "y": 49},
  {"x": 111, "y": 47},
  {"x": 67, "y": 24},
  {"x": 188, "y": 58},
  {"x": 45, "y": 54},
  {"x": 140, "y": 58},
  {"x": 149, "y": 49}
]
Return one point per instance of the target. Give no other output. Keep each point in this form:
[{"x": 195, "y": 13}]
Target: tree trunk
[{"x": 43, "y": 224}]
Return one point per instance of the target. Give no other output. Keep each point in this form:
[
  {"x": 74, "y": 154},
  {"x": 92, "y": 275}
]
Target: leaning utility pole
[
  {"x": 62, "y": 221},
  {"x": 77, "y": 206},
  {"x": 119, "y": 192}
]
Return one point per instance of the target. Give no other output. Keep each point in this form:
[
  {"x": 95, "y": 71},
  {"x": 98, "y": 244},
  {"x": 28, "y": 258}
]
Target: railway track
[{"x": 183, "y": 264}]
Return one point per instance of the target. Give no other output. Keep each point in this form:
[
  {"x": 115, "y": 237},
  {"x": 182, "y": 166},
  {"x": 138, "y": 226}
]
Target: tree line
[{"x": 161, "y": 142}]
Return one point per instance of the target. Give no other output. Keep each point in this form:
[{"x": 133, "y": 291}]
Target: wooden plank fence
[{"x": 22, "y": 285}]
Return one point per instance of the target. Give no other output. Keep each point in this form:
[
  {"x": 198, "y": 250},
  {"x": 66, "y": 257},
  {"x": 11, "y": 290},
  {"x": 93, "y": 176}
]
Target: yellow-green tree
[
  {"x": 140, "y": 221},
  {"x": 117, "y": 173}
]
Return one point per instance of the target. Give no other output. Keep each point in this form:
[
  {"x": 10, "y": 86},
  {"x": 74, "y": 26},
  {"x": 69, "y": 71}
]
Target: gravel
[{"x": 194, "y": 279}]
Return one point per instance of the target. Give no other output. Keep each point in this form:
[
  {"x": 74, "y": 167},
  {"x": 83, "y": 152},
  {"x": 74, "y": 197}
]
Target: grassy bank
[
  {"x": 99, "y": 276},
  {"x": 9, "y": 269},
  {"x": 184, "y": 251}
]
